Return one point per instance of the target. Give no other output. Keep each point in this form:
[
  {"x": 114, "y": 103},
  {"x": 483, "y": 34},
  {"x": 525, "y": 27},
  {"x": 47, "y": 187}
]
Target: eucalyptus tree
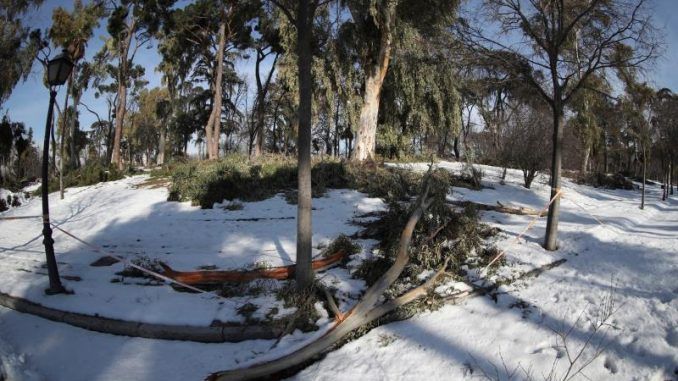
[
  {"x": 666, "y": 122},
  {"x": 373, "y": 26},
  {"x": 131, "y": 25},
  {"x": 637, "y": 106},
  {"x": 267, "y": 45},
  {"x": 19, "y": 44},
  {"x": 71, "y": 31},
  {"x": 206, "y": 38},
  {"x": 421, "y": 98},
  {"x": 541, "y": 37}
]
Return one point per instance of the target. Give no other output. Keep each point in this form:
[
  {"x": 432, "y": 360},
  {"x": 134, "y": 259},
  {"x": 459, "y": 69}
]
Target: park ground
[{"x": 613, "y": 302}]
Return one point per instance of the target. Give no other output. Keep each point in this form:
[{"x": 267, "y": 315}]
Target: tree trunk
[
  {"x": 605, "y": 153},
  {"x": 161, "y": 145},
  {"x": 304, "y": 273},
  {"x": 585, "y": 160},
  {"x": 671, "y": 179},
  {"x": 456, "y": 147},
  {"x": 62, "y": 145},
  {"x": 336, "y": 127},
  {"x": 642, "y": 197},
  {"x": 376, "y": 72},
  {"x": 554, "y": 210},
  {"x": 122, "y": 93},
  {"x": 75, "y": 160},
  {"x": 215, "y": 127},
  {"x": 119, "y": 118}
]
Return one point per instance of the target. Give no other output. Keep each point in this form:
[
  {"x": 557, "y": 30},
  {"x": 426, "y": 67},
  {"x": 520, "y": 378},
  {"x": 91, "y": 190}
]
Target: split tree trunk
[
  {"x": 262, "y": 92},
  {"x": 364, "y": 312},
  {"x": 376, "y": 72},
  {"x": 304, "y": 273},
  {"x": 551, "y": 239}
]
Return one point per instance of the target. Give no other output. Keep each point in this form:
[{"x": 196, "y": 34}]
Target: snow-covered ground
[
  {"x": 136, "y": 221},
  {"x": 631, "y": 260}
]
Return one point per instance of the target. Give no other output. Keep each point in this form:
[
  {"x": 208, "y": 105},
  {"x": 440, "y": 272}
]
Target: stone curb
[{"x": 230, "y": 334}]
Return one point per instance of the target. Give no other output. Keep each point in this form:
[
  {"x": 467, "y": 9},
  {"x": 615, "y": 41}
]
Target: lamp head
[{"x": 59, "y": 68}]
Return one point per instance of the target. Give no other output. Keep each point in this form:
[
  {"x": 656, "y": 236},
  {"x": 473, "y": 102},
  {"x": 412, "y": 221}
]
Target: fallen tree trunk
[
  {"x": 497, "y": 208},
  {"x": 218, "y": 276},
  {"x": 363, "y": 313}
]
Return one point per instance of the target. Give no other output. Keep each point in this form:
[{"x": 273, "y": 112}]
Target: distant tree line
[{"x": 526, "y": 84}]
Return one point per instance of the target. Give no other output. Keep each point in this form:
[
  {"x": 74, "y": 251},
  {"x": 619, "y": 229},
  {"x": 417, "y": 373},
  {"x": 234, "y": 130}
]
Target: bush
[
  {"x": 607, "y": 181},
  {"x": 441, "y": 235},
  {"x": 90, "y": 174},
  {"x": 205, "y": 183}
]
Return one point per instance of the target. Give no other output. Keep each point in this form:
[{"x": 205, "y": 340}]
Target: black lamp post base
[{"x": 58, "y": 290}]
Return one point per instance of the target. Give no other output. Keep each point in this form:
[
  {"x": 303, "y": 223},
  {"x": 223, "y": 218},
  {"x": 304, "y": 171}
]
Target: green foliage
[
  {"x": 234, "y": 177},
  {"x": 18, "y": 44},
  {"x": 607, "y": 181},
  {"x": 305, "y": 316},
  {"x": 90, "y": 174},
  {"x": 231, "y": 177}
]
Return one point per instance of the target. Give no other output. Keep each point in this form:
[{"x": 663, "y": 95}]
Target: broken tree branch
[
  {"x": 496, "y": 208},
  {"x": 355, "y": 318}
]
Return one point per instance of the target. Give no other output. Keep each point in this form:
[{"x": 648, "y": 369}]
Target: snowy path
[{"x": 637, "y": 253}]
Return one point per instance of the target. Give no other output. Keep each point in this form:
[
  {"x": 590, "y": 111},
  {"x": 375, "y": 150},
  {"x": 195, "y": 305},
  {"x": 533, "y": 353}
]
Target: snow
[
  {"x": 628, "y": 263},
  {"x": 135, "y": 221}
]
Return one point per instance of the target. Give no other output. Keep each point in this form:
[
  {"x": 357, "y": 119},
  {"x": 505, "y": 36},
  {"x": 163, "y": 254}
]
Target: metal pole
[{"x": 55, "y": 286}]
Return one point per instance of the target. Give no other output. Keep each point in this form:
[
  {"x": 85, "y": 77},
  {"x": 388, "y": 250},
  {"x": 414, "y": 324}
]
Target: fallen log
[
  {"x": 222, "y": 276},
  {"x": 501, "y": 208}
]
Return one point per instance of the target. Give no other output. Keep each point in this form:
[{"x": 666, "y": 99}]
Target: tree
[
  {"x": 525, "y": 141},
  {"x": 19, "y": 45},
  {"x": 267, "y": 45},
  {"x": 302, "y": 16},
  {"x": 131, "y": 25},
  {"x": 666, "y": 122},
  {"x": 206, "y": 38},
  {"x": 18, "y": 155},
  {"x": 375, "y": 24},
  {"x": 546, "y": 59},
  {"x": 71, "y": 31}
]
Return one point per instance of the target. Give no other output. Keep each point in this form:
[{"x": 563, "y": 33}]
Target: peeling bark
[{"x": 375, "y": 72}]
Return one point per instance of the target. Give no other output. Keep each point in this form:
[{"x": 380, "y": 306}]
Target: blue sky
[{"x": 29, "y": 100}]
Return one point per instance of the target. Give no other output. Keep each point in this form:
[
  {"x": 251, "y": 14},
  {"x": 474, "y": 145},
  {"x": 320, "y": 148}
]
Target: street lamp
[{"x": 58, "y": 70}]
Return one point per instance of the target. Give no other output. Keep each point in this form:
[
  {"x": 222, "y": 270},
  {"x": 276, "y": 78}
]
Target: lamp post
[{"x": 58, "y": 70}]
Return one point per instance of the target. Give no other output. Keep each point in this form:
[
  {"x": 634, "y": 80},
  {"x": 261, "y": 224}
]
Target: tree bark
[
  {"x": 62, "y": 145},
  {"x": 161, "y": 144},
  {"x": 671, "y": 179},
  {"x": 642, "y": 197},
  {"x": 215, "y": 118},
  {"x": 585, "y": 160},
  {"x": 375, "y": 74},
  {"x": 262, "y": 92},
  {"x": 456, "y": 147},
  {"x": 304, "y": 19},
  {"x": 554, "y": 210},
  {"x": 75, "y": 160},
  {"x": 122, "y": 93}
]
